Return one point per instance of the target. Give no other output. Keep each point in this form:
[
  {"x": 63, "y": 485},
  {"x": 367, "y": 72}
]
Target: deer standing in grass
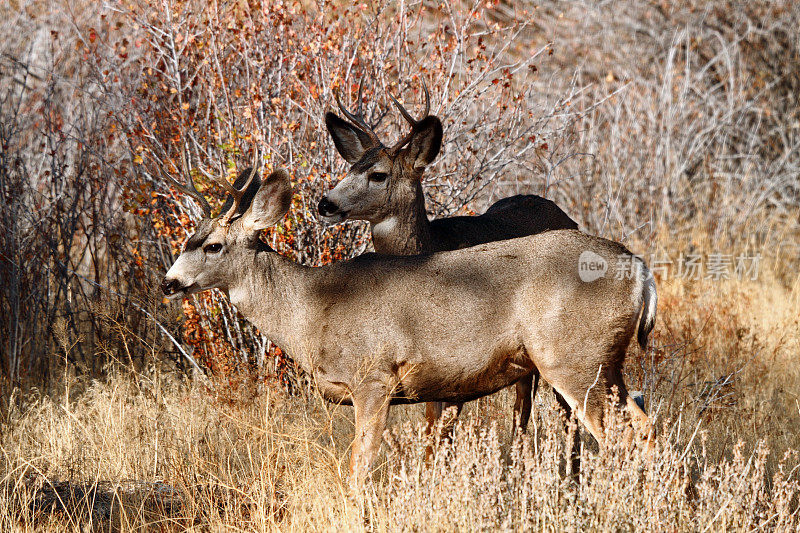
[
  {"x": 445, "y": 327},
  {"x": 384, "y": 187}
]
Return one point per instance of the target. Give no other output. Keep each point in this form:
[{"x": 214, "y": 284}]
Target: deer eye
[
  {"x": 213, "y": 248},
  {"x": 378, "y": 177}
]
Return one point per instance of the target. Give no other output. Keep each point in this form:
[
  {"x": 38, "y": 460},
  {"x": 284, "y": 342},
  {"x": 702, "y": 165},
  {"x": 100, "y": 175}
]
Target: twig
[{"x": 163, "y": 329}]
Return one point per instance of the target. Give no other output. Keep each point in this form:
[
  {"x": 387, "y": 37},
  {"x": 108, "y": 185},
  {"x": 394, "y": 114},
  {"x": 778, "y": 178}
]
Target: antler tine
[
  {"x": 237, "y": 195},
  {"x": 403, "y": 111},
  {"x": 189, "y": 187},
  {"x": 427, "y": 99},
  {"x": 357, "y": 118},
  {"x": 410, "y": 119}
]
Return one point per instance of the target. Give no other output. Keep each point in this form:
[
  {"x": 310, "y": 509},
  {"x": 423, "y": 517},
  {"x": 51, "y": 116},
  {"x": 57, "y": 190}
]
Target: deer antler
[
  {"x": 357, "y": 118},
  {"x": 411, "y": 120},
  {"x": 237, "y": 194},
  {"x": 189, "y": 187}
]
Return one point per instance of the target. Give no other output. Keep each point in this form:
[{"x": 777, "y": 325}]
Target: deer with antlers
[
  {"x": 444, "y": 327},
  {"x": 384, "y": 187}
]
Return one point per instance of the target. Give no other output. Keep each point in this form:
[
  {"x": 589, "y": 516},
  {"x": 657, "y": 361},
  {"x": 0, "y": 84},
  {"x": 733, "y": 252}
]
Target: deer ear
[
  {"x": 351, "y": 143},
  {"x": 270, "y": 203},
  {"x": 425, "y": 143}
]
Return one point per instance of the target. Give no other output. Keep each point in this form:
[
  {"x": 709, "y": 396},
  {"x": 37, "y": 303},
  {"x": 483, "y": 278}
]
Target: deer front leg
[
  {"x": 371, "y": 411},
  {"x": 433, "y": 412},
  {"x": 574, "y": 467},
  {"x": 452, "y": 411}
]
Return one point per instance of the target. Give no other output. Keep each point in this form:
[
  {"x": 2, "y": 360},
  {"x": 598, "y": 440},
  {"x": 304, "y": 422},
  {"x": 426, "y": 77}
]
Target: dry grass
[{"x": 144, "y": 449}]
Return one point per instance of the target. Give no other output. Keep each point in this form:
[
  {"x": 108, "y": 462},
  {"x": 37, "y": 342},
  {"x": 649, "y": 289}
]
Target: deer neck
[
  {"x": 269, "y": 289},
  {"x": 406, "y": 231}
]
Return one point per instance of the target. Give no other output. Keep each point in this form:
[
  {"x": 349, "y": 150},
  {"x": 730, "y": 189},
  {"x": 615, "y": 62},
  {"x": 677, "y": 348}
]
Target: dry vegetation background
[{"x": 673, "y": 127}]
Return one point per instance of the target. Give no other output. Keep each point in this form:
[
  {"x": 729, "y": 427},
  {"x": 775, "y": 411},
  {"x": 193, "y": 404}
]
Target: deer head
[
  {"x": 381, "y": 178},
  {"x": 210, "y": 255}
]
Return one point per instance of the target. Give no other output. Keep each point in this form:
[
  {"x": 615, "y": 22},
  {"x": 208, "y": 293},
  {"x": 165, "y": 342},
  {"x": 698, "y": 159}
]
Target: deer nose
[
  {"x": 169, "y": 286},
  {"x": 327, "y": 208}
]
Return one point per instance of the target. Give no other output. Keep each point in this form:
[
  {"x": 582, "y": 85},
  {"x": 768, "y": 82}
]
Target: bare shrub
[
  {"x": 63, "y": 227},
  {"x": 701, "y": 135}
]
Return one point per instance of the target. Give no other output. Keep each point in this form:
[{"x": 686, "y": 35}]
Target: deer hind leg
[
  {"x": 371, "y": 412},
  {"x": 433, "y": 411},
  {"x": 566, "y": 398},
  {"x": 451, "y": 411},
  {"x": 589, "y": 402},
  {"x": 579, "y": 392},
  {"x": 638, "y": 419},
  {"x": 525, "y": 391}
]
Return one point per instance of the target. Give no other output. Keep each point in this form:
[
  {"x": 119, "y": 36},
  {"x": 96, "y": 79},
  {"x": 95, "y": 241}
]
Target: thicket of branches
[{"x": 651, "y": 120}]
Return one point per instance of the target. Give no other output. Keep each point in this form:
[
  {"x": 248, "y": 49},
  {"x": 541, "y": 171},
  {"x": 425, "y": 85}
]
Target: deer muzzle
[
  {"x": 171, "y": 287},
  {"x": 330, "y": 211}
]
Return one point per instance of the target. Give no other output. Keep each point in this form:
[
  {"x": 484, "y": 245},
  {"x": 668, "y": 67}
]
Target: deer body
[
  {"x": 452, "y": 326},
  {"x": 410, "y": 232},
  {"x": 354, "y": 321},
  {"x": 395, "y": 208}
]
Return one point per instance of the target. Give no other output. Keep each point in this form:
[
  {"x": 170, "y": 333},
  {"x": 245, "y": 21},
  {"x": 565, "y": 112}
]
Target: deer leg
[
  {"x": 570, "y": 398},
  {"x": 525, "y": 390},
  {"x": 572, "y": 435},
  {"x": 433, "y": 412},
  {"x": 582, "y": 391},
  {"x": 637, "y": 417},
  {"x": 640, "y": 418},
  {"x": 589, "y": 404},
  {"x": 371, "y": 412},
  {"x": 448, "y": 424},
  {"x": 589, "y": 409}
]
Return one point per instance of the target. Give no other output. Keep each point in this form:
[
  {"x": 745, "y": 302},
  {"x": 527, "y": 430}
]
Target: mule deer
[
  {"x": 451, "y": 326},
  {"x": 384, "y": 187}
]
